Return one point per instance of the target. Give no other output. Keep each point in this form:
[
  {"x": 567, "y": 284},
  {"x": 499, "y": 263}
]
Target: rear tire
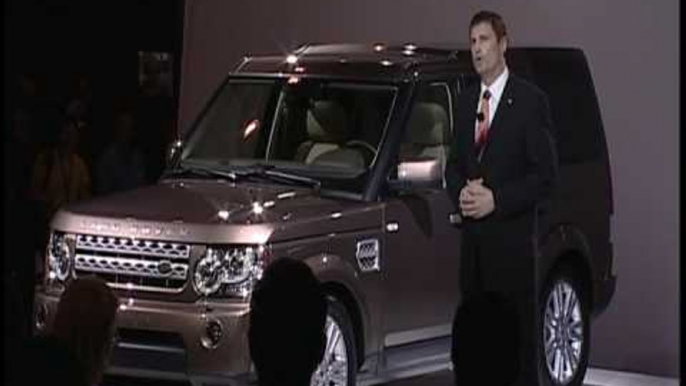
[
  {"x": 339, "y": 365},
  {"x": 564, "y": 329}
]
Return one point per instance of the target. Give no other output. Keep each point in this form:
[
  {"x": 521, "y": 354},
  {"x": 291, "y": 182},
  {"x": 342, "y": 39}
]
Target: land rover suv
[{"x": 334, "y": 154}]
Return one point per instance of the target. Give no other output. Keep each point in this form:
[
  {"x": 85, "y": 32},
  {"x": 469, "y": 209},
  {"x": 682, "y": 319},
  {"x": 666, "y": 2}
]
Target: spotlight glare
[{"x": 257, "y": 208}]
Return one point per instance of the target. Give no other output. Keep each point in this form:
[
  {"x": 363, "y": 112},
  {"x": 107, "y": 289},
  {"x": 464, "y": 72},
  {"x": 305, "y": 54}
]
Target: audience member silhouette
[
  {"x": 122, "y": 164},
  {"x": 485, "y": 342},
  {"x": 19, "y": 262},
  {"x": 79, "y": 109},
  {"x": 60, "y": 175},
  {"x": 287, "y": 319},
  {"x": 20, "y": 153},
  {"x": 85, "y": 323},
  {"x": 48, "y": 361},
  {"x": 155, "y": 112},
  {"x": 77, "y": 347}
]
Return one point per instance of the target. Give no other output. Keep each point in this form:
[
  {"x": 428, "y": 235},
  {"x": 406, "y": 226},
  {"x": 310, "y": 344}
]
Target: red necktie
[{"x": 482, "y": 131}]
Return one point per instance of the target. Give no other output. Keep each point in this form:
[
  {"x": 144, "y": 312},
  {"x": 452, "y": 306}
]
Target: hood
[{"x": 216, "y": 211}]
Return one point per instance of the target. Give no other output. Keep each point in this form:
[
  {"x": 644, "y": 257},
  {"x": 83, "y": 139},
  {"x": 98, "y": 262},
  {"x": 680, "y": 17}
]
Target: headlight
[
  {"x": 207, "y": 276},
  {"x": 59, "y": 257},
  {"x": 228, "y": 271}
]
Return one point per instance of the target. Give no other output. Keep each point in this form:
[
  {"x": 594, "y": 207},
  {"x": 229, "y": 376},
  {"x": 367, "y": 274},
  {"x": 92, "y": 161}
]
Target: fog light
[
  {"x": 41, "y": 317},
  {"x": 213, "y": 334}
]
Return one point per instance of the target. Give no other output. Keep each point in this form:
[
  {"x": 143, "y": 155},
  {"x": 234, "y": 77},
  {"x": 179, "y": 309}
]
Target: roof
[{"x": 374, "y": 61}]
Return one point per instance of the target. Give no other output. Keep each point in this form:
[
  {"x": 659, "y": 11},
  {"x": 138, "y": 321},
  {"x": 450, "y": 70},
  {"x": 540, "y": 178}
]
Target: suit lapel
[
  {"x": 471, "y": 119},
  {"x": 501, "y": 113}
]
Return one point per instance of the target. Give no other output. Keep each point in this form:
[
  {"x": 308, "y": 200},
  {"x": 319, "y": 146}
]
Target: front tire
[
  {"x": 338, "y": 366},
  {"x": 565, "y": 330}
]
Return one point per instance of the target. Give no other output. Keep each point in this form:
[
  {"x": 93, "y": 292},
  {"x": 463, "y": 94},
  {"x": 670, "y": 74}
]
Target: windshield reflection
[{"x": 321, "y": 129}]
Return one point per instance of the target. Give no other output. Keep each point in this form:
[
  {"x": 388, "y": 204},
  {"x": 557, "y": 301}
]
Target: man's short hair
[
  {"x": 495, "y": 20},
  {"x": 287, "y": 318}
]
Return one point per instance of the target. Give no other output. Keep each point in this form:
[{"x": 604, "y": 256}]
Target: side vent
[{"x": 368, "y": 255}]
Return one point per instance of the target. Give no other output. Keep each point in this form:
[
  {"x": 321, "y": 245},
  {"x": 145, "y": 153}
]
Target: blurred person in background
[
  {"x": 122, "y": 164},
  {"x": 59, "y": 176}
]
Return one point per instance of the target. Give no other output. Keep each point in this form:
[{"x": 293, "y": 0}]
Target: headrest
[
  {"x": 428, "y": 125},
  {"x": 327, "y": 122}
]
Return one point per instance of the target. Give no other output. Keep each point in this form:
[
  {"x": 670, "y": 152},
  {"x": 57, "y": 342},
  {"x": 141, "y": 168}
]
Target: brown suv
[{"x": 334, "y": 155}]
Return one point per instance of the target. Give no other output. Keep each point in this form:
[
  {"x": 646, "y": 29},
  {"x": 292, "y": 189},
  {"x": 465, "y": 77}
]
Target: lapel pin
[{"x": 509, "y": 101}]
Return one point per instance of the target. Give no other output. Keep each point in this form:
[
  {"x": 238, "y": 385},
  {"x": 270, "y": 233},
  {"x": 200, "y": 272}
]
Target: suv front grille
[{"x": 133, "y": 263}]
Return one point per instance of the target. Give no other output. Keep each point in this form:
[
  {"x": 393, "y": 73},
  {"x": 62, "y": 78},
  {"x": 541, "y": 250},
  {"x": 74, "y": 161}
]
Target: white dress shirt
[{"x": 496, "y": 89}]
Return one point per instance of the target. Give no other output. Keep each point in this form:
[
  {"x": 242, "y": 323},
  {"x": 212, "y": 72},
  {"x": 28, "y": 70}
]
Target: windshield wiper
[
  {"x": 270, "y": 172},
  {"x": 260, "y": 170},
  {"x": 200, "y": 171}
]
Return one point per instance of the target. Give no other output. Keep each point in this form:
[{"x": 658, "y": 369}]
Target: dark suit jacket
[{"x": 519, "y": 165}]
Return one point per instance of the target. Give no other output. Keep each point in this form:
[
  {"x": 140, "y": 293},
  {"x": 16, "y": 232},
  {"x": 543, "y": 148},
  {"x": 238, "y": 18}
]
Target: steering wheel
[
  {"x": 368, "y": 149},
  {"x": 363, "y": 144}
]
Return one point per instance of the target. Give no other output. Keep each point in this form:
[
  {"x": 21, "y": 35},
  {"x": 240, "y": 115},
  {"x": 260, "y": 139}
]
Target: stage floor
[{"x": 594, "y": 377}]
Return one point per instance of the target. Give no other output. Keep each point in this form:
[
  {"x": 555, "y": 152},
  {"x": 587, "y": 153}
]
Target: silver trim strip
[
  {"x": 149, "y": 347},
  {"x": 129, "y": 266},
  {"x": 403, "y": 337}
]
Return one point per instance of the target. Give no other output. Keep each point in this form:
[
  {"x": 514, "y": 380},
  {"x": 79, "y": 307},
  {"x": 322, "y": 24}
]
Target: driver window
[{"x": 428, "y": 129}]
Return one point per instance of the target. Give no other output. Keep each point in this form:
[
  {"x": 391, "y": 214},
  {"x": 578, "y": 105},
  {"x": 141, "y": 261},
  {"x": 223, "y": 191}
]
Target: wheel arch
[
  {"x": 566, "y": 246},
  {"x": 342, "y": 294}
]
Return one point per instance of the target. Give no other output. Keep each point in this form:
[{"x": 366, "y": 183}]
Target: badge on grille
[{"x": 164, "y": 267}]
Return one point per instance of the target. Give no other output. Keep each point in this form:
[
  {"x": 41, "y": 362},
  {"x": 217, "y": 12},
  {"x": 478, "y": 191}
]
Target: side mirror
[
  {"x": 418, "y": 173},
  {"x": 173, "y": 151}
]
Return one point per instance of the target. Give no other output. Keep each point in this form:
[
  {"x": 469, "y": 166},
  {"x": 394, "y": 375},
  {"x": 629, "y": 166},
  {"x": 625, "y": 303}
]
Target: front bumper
[{"x": 163, "y": 340}]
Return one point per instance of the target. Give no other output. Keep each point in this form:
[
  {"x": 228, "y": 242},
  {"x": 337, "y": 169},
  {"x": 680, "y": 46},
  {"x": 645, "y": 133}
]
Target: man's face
[{"x": 488, "y": 54}]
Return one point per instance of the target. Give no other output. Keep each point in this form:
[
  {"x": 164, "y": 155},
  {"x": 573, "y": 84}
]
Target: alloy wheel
[
  {"x": 563, "y": 332},
  {"x": 333, "y": 370}
]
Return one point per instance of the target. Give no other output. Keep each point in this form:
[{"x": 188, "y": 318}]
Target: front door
[{"x": 422, "y": 247}]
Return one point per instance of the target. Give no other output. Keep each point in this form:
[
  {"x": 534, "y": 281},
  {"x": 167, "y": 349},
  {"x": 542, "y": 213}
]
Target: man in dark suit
[{"x": 501, "y": 172}]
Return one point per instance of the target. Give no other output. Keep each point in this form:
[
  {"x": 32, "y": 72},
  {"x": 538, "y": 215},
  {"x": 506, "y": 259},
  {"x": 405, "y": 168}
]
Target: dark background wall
[
  {"x": 56, "y": 39},
  {"x": 632, "y": 47}
]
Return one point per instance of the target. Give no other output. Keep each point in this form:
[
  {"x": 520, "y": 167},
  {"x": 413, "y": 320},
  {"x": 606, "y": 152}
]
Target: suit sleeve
[
  {"x": 455, "y": 170},
  {"x": 542, "y": 163}
]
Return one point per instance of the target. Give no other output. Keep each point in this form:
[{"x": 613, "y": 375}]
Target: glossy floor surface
[{"x": 594, "y": 377}]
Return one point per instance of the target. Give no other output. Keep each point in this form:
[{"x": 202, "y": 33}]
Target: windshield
[{"x": 320, "y": 129}]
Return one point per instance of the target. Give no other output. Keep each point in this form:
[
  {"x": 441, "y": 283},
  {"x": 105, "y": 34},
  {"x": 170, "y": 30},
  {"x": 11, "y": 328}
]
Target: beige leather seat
[
  {"x": 327, "y": 128},
  {"x": 428, "y": 134}
]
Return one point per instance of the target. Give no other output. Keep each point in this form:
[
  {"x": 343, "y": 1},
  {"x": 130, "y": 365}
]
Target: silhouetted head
[
  {"x": 485, "y": 332},
  {"x": 85, "y": 322},
  {"x": 287, "y": 318}
]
